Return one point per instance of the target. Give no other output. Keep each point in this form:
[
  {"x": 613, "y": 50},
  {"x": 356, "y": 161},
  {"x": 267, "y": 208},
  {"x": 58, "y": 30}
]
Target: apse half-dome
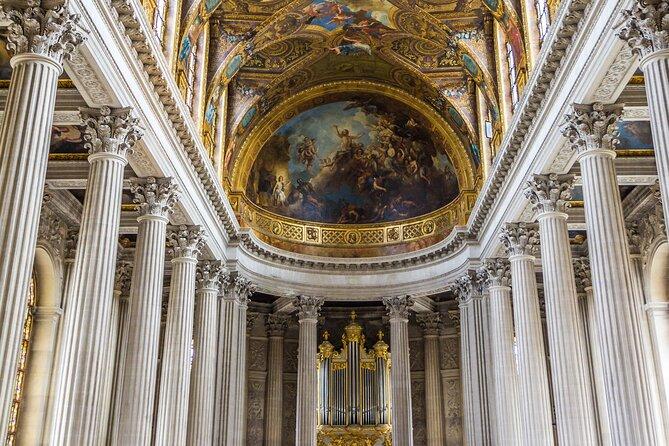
[{"x": 353, "y": 169}]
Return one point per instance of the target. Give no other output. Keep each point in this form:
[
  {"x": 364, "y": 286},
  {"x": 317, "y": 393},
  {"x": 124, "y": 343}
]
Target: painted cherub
[{"x": 346, "y": 137}]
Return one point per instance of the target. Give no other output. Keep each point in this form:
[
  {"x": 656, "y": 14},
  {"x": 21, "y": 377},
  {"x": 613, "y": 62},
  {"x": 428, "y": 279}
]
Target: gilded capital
[
  {"x": 520, "y": 238},
  {"x": 308, "y": 307},
  {"x": 646, "y": 27},
  {"x": 185, "y": 241},
  {"x": 593, "y": 126},
  {"x": 429, "y": 322},
  {"x": 276, "y": 324},
  {"x": 107, "y": 130},
  {"x": 582, "y": 273},
  {"x": 123, "y": 277},
  {"x": 398, "y": 306},
  {"x": 208, "y": 275},
  {"x": 51, "y": 32},
  {"x": 154, "y": 196},
  {"x": 495, "y": 272},
  {"x": 550, "y": 193}
]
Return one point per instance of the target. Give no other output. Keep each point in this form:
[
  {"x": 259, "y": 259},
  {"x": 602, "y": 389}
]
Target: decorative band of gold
[{"x": 277, "y": 227}]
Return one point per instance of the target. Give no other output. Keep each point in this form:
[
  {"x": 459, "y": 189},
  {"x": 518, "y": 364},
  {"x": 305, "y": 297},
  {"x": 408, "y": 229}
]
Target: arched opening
[{"x": 40, "y": 335}]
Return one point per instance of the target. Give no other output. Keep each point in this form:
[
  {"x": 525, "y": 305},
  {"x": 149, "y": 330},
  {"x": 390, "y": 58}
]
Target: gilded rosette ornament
[
  {"x": 593, "y": 127},
  {"x": 54, "y": 33},
  {"x": 550, "y": 193}
]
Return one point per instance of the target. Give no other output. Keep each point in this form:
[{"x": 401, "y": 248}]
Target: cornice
[
  {"x": 539, "y": 86},
  {"x": 132, "y": 22}
]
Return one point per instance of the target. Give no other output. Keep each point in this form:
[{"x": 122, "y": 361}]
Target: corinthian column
[
  {"x": 109, "y": 135},
  {"x": 307, "y": 379},
  {"x": 592, "y": 130},
  {"x": 520, "y": 240},
  {"x": 400, "y": 372},
  {"x": 121, "y": 293},
  {"x": 276, "y": 329},
  {"x": 185, "y": 243},
  {"x": 589, "y": 322},
  {"x": 433, "y": 404},
  {"x": 647, "y": 33},
  {"x": 574, "y": 412},
  {"x": 155, "y": 198},
  {"x": 201, "y": 405},
  {"x": 232, "y": 360},
  {"x": 39, "y": 39},
  {"x": 497, "y": 275}
]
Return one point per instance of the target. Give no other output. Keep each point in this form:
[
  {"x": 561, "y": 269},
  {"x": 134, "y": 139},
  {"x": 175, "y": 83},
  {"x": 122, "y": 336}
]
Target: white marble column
[
  {"x": 589, "y": 323},
  {"x": 308, "y": 308},
  {"x": 155, "y": 198},
  {"x": 39, "y": 40},
  {"x": 185, "y": 244},
  {"x": 506, "y": 414},
  {"x": 520, "y": 240},
  {"x": 109, "y": 135},
  {"x": 575, "y": 414},
  {"x": 647, "y": 33},
  {"x": 400, "y": 372},
  {"x": 591, "y": 130},
  {"x": 231, "y": 364},
  {"x": 121, "y": 294},
  {"x": 202, "y": 399},
  {"x": 434, "y": 409},
  {"x": 276, "y": 329}
]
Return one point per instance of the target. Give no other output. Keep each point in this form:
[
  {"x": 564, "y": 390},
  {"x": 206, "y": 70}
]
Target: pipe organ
[{"x": 353, "y": 390}]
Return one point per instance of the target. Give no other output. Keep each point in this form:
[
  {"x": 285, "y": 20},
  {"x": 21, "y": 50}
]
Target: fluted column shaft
[
  {"x": 434, "y": 410},
  {"x": 119, "y": 368},
  {"x": 276, "y": 326},
  {"x": 202, "y": 399},
  {"x": 625, "y": 377},
  {"x": 25, "y": 135},
  {"x": 535, "y": 403},
  {"x": 134, "y": 424},
  {"x": 307, "y": 379},
  {"x": 232, "y": 361},
  {"x": 574, "y": 411},
  {"x": 505, "y": 388},
  {"x": 90, "y": 303},
  {"x": 172, "y": 417}
]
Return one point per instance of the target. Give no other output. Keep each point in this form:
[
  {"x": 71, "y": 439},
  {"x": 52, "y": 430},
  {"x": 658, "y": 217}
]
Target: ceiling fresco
[{"x": 362, "y": 160}]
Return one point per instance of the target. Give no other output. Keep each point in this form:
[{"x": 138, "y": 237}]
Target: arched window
[
  {"x": 513, "y": 74},
  {"x": 191, "y": 67},
  {"x": 543, "y": 17},
  {"x": 159, "y": 19},
  {"x": 22, "y": 365}
]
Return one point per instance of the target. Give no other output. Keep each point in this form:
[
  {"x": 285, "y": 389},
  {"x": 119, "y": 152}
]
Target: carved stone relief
[
  {"x": 416, "y": 355},
  {"x": 255, "y": 412},
  {"x": 290, "y": 357},
  {"x": 453, "y": 411},
  {"x": 289, "y": 403},
  {"x": 257, "y": 355},
  {"x": 450, "y": 352},
  {"x": 418, "y": 411}
]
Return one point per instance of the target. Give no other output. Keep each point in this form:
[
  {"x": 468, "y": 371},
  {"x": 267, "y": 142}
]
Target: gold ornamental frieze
[{"x": 273, "y": 227}]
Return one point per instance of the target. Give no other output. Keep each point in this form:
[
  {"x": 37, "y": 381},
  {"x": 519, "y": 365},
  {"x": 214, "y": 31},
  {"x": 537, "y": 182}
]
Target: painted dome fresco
[{"x": 361, "y": 160}]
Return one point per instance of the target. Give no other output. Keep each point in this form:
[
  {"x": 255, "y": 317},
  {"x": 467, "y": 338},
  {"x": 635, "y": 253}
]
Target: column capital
[
  {"x": 276, "y": 324},
  {"x": 308, "y": 307},
  {"x": 593, "y": 127},
  {"x": 251, "y": 318},
  {"x": 53, "y": 32},
  {"x": 467, "y": 287},
  {"x": 123, "y": 278},
  {"x": 582, "y": 273},
  {"x": 646, "y": 228},
  {"x": 495, "y": 272},
  {"x": 550, "y": 193},
  {"x": 646, "y": 28},
  {"x": 110, "y": 131},
  {"x": 50, "y": 229},
  {"x": 237, "y": 287},
  {"x": 70, "y": 243},
  {"x": 155, "y": 196},
  {"x": 398, "y": 306},
  {"x": 208, "y": 275},
  {"x": 185, "y": 241},
  {"x": 430, "y": 323},
  {"x": 520, "y": 238}
]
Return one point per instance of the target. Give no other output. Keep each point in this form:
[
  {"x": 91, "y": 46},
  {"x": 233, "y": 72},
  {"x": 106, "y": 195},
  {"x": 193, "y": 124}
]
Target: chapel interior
[{"x": 334, "y": 222}]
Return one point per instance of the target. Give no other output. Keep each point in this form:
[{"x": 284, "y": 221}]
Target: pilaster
[
  {"x": 276, "y": 330},
  {"x": 430, "y": 323}
]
